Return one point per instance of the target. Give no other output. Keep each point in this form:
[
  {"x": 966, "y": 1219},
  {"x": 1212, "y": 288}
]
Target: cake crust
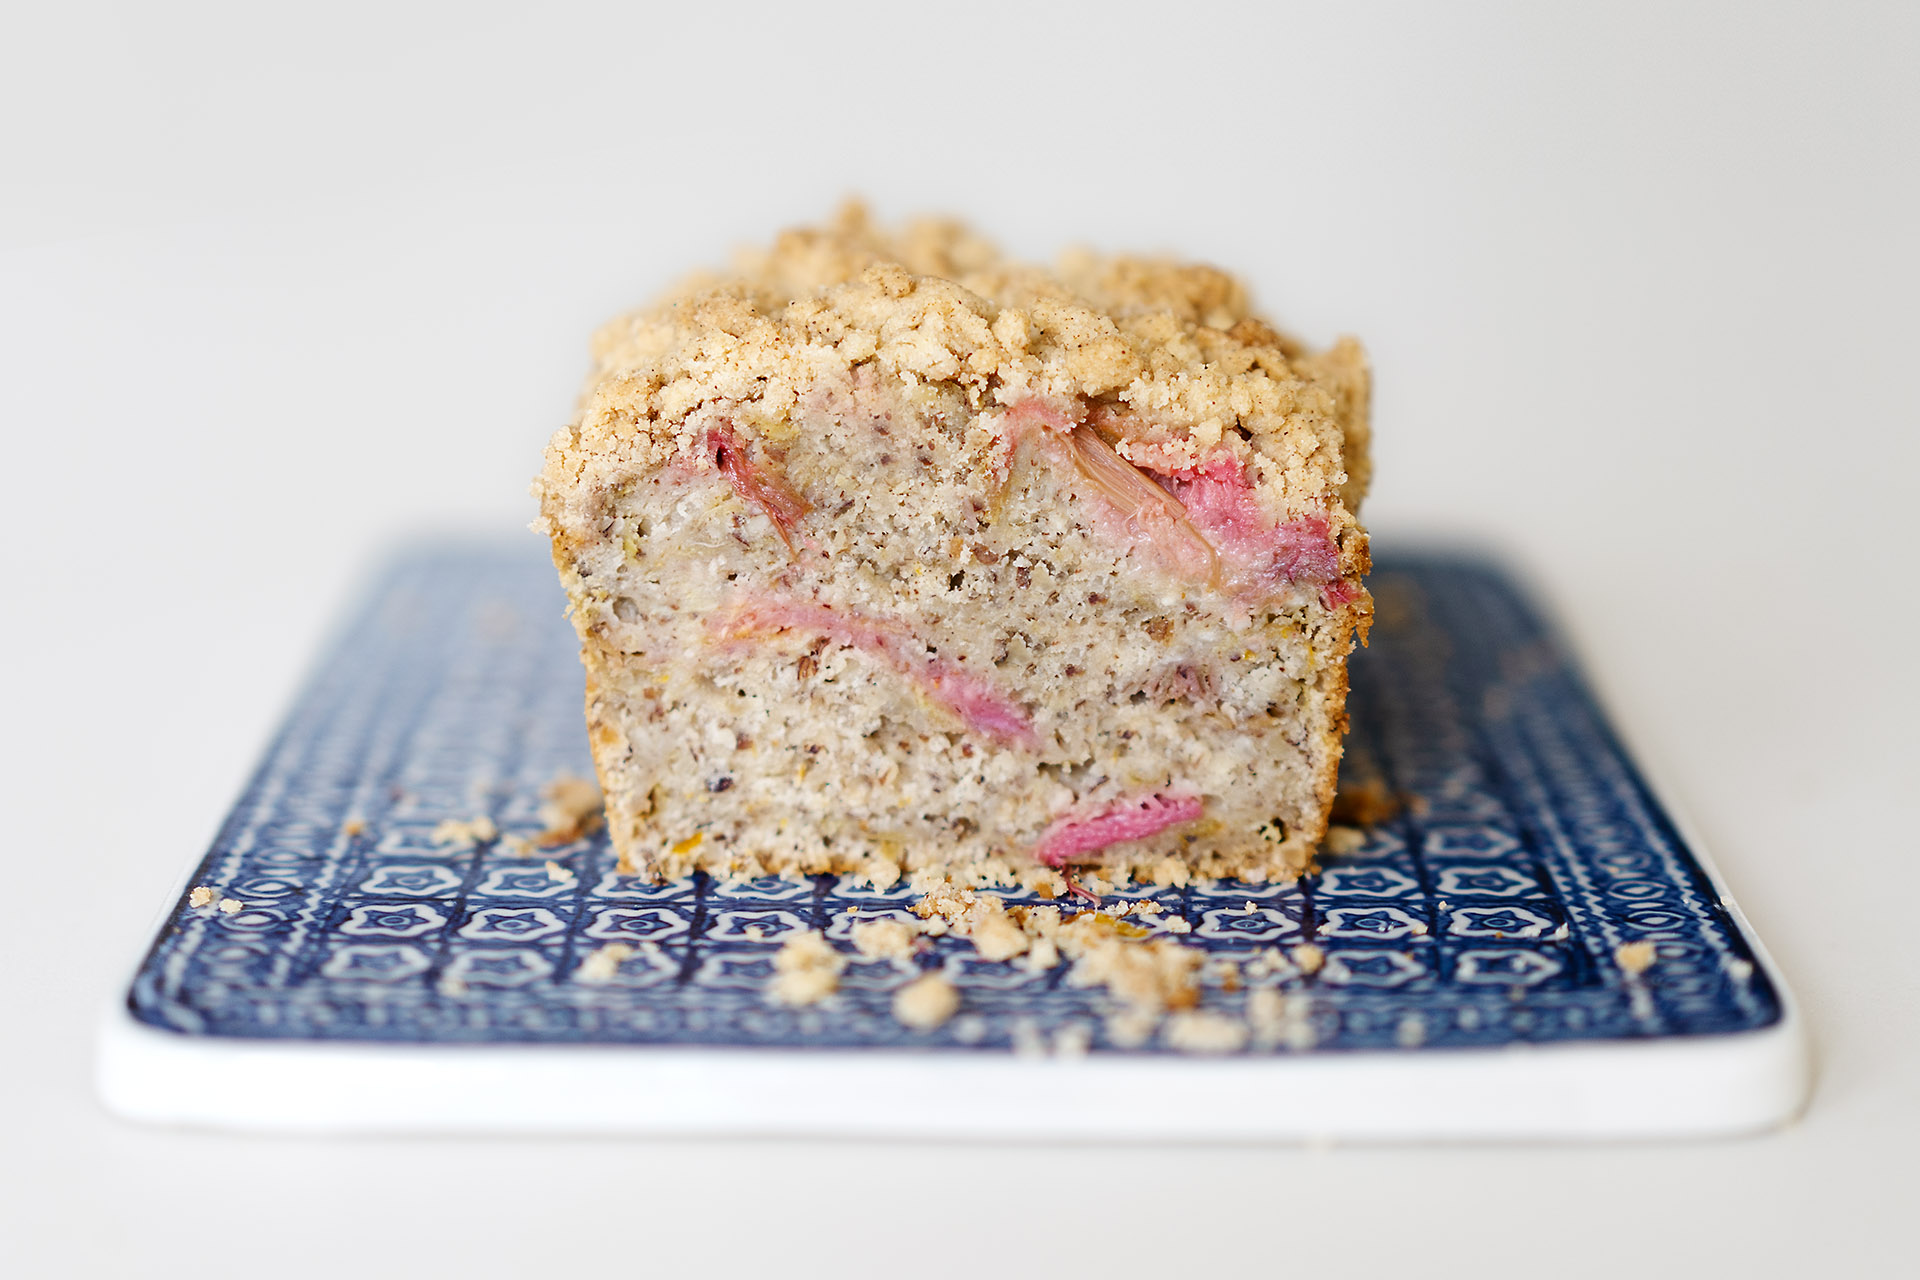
[{"x": 830, "y": 480}]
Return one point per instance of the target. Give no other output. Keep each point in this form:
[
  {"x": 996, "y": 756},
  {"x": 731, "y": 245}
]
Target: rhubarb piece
[
  {"x": 758, "y": 486},
  {"x": 1071, "y": 838},
  {"x": 885, "y": 554},
  {"x": 973, "y": 699}
]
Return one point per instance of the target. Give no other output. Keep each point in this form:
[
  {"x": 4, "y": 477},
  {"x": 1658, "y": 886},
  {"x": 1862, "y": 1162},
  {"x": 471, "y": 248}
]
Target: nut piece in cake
[{"x": 886, "y": 553}]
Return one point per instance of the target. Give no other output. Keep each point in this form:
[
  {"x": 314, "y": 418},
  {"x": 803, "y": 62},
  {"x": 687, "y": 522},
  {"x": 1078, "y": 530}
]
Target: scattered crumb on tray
[
  {"x": 1195, "y": 1032},
  {"x": 231, "y": 906},
  {"x": 1153, "y": 983},
  {"x": 600, "y": 966},
  {"x": 466, "y": 834},
  {"x": 573, "y": 808},
  {"x": 926, "y": 1003},
  {"x": 1365, "y": 802},
  {"x": 1343, "y": 840},
  {"x": 202, "y": 896},
  {"x": 806, "y": 970},
  {"x": 353, "y": 827},
  {"x": 1634, "y": 958},
  {"x": 883, "y": 940}
]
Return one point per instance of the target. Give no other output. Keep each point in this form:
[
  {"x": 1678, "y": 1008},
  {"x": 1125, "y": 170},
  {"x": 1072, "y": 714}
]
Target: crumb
[
  {"x": 881, "y": 873},
  {"x": 1634, "y": 958},
  {"x": 1267, "y": 964},
  {"x": 517, "y": 846},
  {"x": 229, "y": 906},
  {"x": 1149, "y": 977},
  {"x": 452, "y": 986},
  {"x": 1072, "y": 1040},
  {"x": 1145, "y": 973},
  {"x": 200, "y": 897},
  {"x": 1342, "y": 840},
  {"x": 969, "y": 1028},
  {"x": 1267, "y": 1013},
  {"x": 755, "y": 933},
  {"x": 475, "y": 831},
  {"x": 557, "y": 872},
  {"x": 1131, "y": 1029},
  {"x": 926, "y": 1003},
  {"x": 573, "y": 808},
  {"x": 1027, "y": 1040},
  {"x": 1042, "y": 882},
  {"x": 1309, "y": 957},
  {"x": 1204, "y": 1033},
  {"x": 1226, "y": 971},
  {"x": 806, "y": 970},
  {"x": 1249, "y": 909},
  {"x": 600, "y": 966},
  {"x": 1041, "y": 955},
  {"x": 353, "y": 827},
  {"x": 1170, "y": 872},
  {"x": 1365, "y": 803},
  {"x": 1174, "y": 924},
  {"x": 883, "y": 940},
  {"x": 997, "y": 937}
]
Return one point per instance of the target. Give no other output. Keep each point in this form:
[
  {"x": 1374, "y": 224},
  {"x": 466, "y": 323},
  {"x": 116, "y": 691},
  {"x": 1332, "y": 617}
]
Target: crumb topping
[{"x": 1172, "y": 348}]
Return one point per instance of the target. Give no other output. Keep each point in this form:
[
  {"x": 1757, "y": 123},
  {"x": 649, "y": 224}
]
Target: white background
[{"x": 1640, "y": 287}]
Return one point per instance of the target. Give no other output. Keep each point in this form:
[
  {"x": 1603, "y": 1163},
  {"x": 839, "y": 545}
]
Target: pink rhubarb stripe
[
  {"x": 1219, "y": 500},
  {"x": 1071, "y": 836},
  {"x": 758, "y": 487},
  {"x": 1191, "y": 519},
  {"x": 977, "y": 703}
]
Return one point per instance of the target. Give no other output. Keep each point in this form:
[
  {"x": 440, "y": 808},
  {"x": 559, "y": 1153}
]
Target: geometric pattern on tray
[{"x": 1488, "y": 911}]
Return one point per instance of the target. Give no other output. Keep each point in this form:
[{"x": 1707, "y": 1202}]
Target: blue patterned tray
[{"x": 1489, "y": 911}]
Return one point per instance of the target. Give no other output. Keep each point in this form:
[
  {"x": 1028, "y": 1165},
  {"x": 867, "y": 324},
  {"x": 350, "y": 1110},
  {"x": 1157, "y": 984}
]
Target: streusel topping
[{"x": 1170, "y": 351}]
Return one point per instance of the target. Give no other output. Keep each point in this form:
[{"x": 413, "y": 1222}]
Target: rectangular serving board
[{"x": 373, "y": 979}]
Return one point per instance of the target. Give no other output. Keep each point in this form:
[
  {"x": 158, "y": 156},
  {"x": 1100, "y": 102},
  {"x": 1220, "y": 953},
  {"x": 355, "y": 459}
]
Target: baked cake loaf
[{"x": 886, "y": 554}]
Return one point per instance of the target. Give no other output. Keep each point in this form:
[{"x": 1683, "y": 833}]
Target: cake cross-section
[{"x": 888, "y": 554}]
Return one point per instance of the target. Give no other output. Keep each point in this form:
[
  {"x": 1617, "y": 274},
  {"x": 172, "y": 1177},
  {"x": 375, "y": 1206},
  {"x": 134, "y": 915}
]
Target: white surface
[
  {"x": 1639, "y": 284},
  {"x": 1713, "y": 1086}
]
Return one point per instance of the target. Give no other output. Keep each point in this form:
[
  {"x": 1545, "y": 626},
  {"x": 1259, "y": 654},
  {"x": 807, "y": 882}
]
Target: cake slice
[{"x": 886, "y": 553}]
